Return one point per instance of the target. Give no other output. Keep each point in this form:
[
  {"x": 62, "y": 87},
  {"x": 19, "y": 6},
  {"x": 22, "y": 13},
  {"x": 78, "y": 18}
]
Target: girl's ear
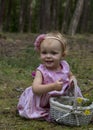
[{"x": 64, "y": 54}]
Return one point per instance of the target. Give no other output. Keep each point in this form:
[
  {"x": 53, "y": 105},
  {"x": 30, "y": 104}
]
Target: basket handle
[{"x": 75, "y": 92}]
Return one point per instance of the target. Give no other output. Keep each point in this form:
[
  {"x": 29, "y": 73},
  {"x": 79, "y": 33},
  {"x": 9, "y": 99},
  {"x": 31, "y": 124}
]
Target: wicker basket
[{"x": 64, "y": 110}]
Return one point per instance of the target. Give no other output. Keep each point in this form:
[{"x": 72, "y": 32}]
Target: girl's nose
[{"x": 48, "y": 55}]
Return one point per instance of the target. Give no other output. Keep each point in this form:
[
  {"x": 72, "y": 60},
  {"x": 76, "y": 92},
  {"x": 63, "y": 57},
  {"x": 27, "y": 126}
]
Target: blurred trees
[
  {"x": 2, "y": 11},
  {"x": 67, "y": 16},
  {"x": 76, "y": 17}
]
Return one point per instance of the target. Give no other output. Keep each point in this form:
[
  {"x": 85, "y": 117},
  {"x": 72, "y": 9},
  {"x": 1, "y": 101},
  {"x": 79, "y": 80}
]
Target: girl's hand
[
  {"x": 58, "y": 85},
  {"x": 71, "y": 85}
]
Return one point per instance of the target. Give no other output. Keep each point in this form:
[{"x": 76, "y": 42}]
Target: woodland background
[
  {"x": 20, "y": 23},
  {"x": 36, "y": 16}
]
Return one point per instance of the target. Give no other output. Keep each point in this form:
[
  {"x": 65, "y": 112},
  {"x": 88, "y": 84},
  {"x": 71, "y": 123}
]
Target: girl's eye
[
  {"x": 43, "y": 52},
  {"x": 54, "y": 53}
]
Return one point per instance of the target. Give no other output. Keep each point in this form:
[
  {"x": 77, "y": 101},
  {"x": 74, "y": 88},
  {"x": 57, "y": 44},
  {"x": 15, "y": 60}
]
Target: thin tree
[
  {"x": 85, "y": 17},
  {"x": 8, "y": 17},
  {"x": 76, "y": 17},
  {"x": 45, "y": 15},
  {"x": 66, "y": 16},
  {"x": 2, "y": 11},
  {"x": 30, "y": 16},
  {"x": 22, "y": 15},
  {"x": 54, "y": 14}
]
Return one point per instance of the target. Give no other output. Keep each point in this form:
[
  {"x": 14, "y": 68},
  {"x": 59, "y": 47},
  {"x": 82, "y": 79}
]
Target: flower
[
  {"x": 33, "y": 74},
  {"x": 38, "y": 41},
  {"x": 87, "y": 112},
  {"x": 79, "y": 100},
  {"x": 86, "y": 95}
]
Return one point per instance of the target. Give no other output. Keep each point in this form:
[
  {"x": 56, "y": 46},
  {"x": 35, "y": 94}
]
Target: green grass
[{"x": 18, "y": 59}]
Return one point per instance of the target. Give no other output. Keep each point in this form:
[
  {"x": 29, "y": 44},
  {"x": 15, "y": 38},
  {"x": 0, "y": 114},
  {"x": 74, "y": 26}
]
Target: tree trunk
[
  {"x": 45, "y": 15},
  {"x": 76, "y": 17},
  {"x": 30, "y": 16},
  {"x": 2, "y": 9},
  {"x": 54, "y": 14},
  {"x": 66, "y": 16},
  {"x": 8, "y": 17},
  {"x": 85, "y": 17},
  {"x": 22, "y": 16}
]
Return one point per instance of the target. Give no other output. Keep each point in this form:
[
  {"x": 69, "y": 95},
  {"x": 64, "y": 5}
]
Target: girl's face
[{"x": 51, "y": 53}]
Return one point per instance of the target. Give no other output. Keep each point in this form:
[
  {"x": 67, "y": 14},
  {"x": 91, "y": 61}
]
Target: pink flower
[
  {"x": 33, "y": 74},
  {"x": 38, "y": 41},
  {"x": 20, "y": 107}
]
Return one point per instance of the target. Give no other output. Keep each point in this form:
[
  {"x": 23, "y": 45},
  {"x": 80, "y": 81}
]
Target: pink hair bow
[{"x": 38, "y": 40}]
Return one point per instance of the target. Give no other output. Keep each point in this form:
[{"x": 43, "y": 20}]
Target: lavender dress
[{"x": 33, "y": 106}]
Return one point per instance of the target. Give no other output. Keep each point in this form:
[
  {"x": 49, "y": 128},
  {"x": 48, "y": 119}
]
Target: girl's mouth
[{"x": 49, "y": 62}]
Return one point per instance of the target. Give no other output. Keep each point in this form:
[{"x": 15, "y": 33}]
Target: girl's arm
[{"x": 40, "y": 88}]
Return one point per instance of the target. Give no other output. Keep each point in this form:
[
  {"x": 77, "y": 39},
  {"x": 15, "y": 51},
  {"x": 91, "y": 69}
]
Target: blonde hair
[
  {"x": 58, "y": 36},
  {"x": 53, "y": 35}
]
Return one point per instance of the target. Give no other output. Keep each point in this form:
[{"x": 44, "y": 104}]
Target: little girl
[{"x": 52, "y": 78}]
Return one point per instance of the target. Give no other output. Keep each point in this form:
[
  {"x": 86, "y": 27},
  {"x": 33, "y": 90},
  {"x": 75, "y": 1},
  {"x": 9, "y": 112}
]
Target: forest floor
[{"x": 18, "y": 59}]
